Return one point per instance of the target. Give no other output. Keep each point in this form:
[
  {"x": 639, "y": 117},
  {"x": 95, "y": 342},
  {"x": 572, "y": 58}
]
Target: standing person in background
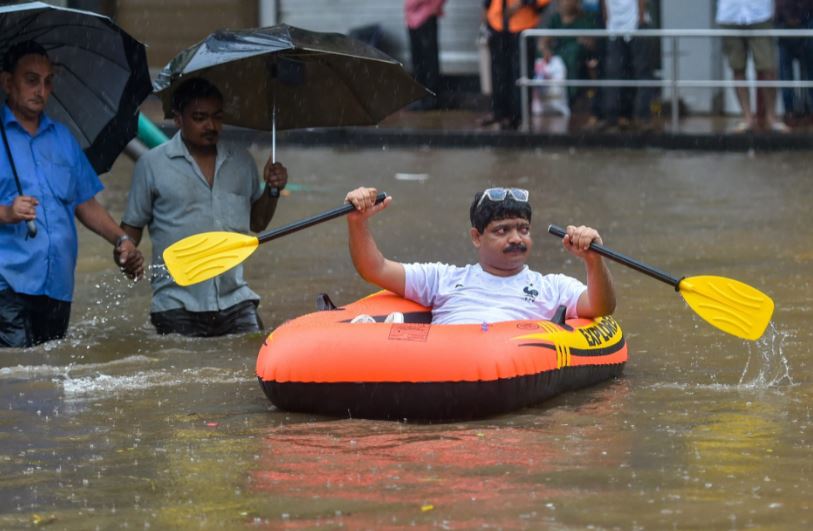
[
  {"x": 628, "y": 58},
  {"x": 195, "y": 183},
  {"x": 422, "y": 22},
  {"x": 37, "y": 271},
  {"x": 506, "y": 19},
  {"x": 574, "y": 51},
  {"x": 797, "y": 15},
  {"x": 751, "y": 15}
]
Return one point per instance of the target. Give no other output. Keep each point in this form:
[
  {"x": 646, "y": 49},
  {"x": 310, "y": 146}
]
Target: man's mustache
[{"x": 515, "y": 247}]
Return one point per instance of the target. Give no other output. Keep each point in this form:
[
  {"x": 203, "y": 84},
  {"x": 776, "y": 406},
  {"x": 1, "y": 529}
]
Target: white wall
[
  {"x": 457, "y": 35},
  {"x": 698, "y": 58}
]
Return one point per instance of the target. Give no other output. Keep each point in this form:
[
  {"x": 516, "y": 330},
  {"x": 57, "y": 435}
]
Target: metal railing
[{"x": 674, "y": 82}]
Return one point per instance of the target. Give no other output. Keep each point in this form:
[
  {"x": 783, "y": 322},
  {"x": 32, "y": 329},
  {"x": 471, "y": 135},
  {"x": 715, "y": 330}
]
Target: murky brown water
[{"x": 117, "y": 427}]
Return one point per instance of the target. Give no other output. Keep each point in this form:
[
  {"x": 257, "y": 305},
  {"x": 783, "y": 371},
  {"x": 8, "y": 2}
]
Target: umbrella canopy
[
  {"x": 101, "y": 74},
  {"x": 311, "y": 79}
]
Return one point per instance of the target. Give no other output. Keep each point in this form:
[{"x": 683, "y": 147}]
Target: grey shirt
[{"x": 170, "y": 196}]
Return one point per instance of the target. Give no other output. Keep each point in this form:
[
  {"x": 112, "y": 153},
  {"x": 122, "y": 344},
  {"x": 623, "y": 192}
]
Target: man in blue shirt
[{"x": 58, "y": 183}]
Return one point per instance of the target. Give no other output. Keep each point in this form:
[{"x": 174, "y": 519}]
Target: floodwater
[{"x": 115, "y": 427}]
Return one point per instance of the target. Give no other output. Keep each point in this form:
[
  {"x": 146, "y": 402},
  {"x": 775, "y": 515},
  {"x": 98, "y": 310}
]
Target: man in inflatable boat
[{"x": 500, "y": 287}]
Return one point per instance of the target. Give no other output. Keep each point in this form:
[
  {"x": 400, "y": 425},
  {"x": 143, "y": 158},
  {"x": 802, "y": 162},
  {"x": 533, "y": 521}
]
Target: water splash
[
  {"x": 31, "y": 372},
  {"x": 770, "y": 363},
  {"x": 101, "y": 385}
]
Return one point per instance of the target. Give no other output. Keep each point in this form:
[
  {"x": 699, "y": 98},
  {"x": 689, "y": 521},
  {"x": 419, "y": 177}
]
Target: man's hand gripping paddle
[{"x": 727, "y": 304}]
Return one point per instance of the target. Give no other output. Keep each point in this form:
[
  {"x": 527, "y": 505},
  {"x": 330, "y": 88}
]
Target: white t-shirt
[
  {"x": 744, "y": 12},
  {"x": 469, "y": 295},
  {"x": 622, "y": 15}
]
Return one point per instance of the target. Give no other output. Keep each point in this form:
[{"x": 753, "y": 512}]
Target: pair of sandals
[
  {"x": 774, "y": 127},
  {"x": 394, "y": 317},
  {"x": 506, "y": 124}
]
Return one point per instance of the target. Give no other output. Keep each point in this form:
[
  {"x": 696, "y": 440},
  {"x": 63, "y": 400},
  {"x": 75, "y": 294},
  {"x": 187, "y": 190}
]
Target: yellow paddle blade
[
  {"x": 728, "y": 304},
  {"x": 208, "y": 254}
]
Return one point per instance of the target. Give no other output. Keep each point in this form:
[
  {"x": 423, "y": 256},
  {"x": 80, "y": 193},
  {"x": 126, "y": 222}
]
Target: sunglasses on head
[{"x": 499, "y": 194}]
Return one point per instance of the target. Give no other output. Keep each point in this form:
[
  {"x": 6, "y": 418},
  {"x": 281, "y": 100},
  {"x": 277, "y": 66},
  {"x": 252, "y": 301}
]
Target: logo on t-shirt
[{"x": 530, "y": 293}]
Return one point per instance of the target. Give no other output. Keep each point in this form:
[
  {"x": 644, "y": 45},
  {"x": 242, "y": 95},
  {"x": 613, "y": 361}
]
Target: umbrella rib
[
  {"x": 101, "y": 68},
  {"x": 35, "y": 34},
  {"x": 27, "y": 21},
  {"x": 69, "y": 114},
  {"x": 97, "y": 52}
]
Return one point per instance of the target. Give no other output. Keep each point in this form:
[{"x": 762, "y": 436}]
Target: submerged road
[{"x": 116, "y": 426}]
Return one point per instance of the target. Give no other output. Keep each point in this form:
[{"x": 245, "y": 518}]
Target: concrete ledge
[
  {"x": 401, "y": 137},
  {"x": 378, "y": 137}
]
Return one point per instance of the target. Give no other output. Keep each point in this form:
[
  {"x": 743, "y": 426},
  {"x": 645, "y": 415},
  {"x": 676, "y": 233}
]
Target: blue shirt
[
  {"x": 52, "y": 168},
  {"x": 170, "y": 195}
]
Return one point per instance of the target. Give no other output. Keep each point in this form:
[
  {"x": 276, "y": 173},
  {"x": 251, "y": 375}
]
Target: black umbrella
[
  {"x": 101, "y": 73},
  {"x": 289, "y": 78}
]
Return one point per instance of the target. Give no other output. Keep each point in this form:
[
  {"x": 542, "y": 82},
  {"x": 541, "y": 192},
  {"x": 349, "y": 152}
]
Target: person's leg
[
  {"x": 768, "y": 96},
  {"x": 15, "y": 321},
  {"x": 806, "y": 71},
  {"x": 425, "y": 63},
  {"x": 50, "y": 319},
  {"x": 642, "y": 51},
  {"x": 628, "y": 94},
  {"x": 786, "y": 73},
  {"x": 499, "y": 46},
  {"x": 735, "y": 50},
  {"x": 514, "y": 92},
  {"x": 432, "y": 58},
  {"x": 764, "y": 53},
  {"x": 595, "y": 69},
  {"x": 613, "y": 69},
  {"x": 237, "y": 319},
  {"x": 744, "y": 99},
  {"x": 179, "y": 321}
]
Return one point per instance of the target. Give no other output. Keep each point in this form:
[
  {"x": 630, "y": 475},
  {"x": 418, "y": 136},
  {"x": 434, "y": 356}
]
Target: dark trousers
[
  {"x": 796, "y": 101},
  {"x": 631, "y": 59},
  {"x": 237, "y": 319},
  {"x": 423, "y": 45},
  {"x": 28, "y": 320},
  {"x": 506, "y": 103}
]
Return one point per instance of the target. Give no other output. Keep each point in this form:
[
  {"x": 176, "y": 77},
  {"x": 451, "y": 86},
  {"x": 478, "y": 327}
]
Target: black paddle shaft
[
  {"x": 625, "y": 260},
  {"x": 313, "y": 220}
]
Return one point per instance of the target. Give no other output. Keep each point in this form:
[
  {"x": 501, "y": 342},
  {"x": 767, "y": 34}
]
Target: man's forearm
[
  {"x": 96, "y": 218},
  {"x": 367, "y": 258},
  {"x": 262, "y": 211},
  {"x": 600, "y": 288}
]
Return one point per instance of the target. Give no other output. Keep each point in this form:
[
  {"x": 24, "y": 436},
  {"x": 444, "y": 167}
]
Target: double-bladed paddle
[
  {"x": 203, "y": 256},
  {"x": 728, "y": 304}
]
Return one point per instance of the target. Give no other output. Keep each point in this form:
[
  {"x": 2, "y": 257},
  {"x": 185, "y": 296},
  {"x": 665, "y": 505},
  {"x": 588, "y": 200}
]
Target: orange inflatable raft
[{"x": 321, "y": 363}]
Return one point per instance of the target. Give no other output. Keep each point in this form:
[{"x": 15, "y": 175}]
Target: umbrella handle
[
  {"x": 273, "y": 191},
  {"x": 30, "y": 224},
  {"x": 32, "y": 228}
]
